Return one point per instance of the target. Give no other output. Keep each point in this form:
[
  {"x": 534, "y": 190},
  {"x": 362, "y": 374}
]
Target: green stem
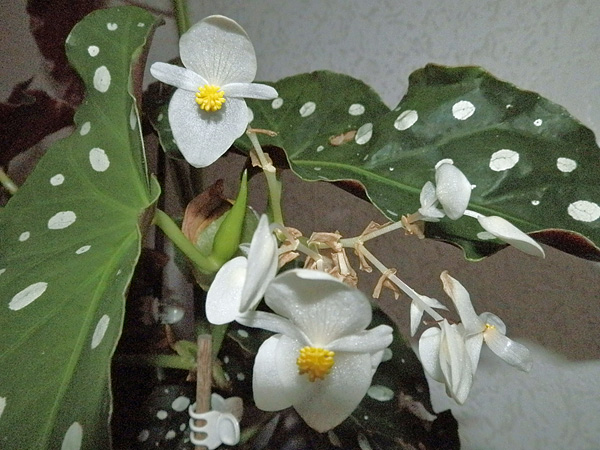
[
  {"x": 8, "y": 184},
  {"x": 273, "y": 183},
  {"x": 170, "y": 228},
  {"x": 181, "y": 15}
]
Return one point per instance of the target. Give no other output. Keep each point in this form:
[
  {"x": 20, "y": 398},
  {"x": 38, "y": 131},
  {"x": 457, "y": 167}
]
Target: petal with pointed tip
[
  {"x": 512, "y": 352},
  {"x": 250, "y": 90},
  {"x": 262, "y": 264},
  {"x": 462, "y": 300},
  {"x": 179, "y": 77},
  {"x": 506, "y": 231}
]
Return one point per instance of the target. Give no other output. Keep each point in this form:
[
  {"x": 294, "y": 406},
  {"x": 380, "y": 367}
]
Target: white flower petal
[
  {"x": 250, "y": 90},
  {"x": 368, "y": 341},
  {"x": 455, "y": 362},
  {"x": 177, "y": 76},
  {"x": 473, "y": 345},
  {"x": 262, "y": 264},
  {"x": 225, "y": 293},
  {"x": 325, "y": 309},
  {"x": 510, "y": 351},
  {"x": 506, "y": 231},
  {"x": 460, "y": 296},
  {"x": 453, "y": 190},
  {"x": 218, "y": 49},
  {"x": 326, "y": 403},
  {"x": 202, "y": 137},
  {"x": 428, "y": 200},
  {"x": 270, "y": 394},
  {"x": 429, "y": 353},
  {"x": 274, "y": 323}
]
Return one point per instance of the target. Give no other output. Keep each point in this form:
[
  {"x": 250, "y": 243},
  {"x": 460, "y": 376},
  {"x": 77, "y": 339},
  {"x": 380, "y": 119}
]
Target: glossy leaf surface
[
  {"x": 529, "y": 160},
  {"x": 70, "y": 240}
]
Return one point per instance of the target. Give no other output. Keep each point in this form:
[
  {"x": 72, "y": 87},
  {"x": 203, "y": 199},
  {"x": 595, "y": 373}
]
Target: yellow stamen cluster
[
  {"x": 315, "y": 362},
  {"x": 210, "y": 97}
]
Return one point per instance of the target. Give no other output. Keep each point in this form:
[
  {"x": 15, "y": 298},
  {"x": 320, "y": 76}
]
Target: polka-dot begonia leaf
[
  {"x": 530, "y": 162},
  {"x": 71, "y": 237}
]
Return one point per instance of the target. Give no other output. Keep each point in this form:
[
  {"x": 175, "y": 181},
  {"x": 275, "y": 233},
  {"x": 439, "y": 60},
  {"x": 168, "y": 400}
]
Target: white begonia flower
[
  {"x": 207, "y": 112},
  {"x": 445, "y": 358},
  {"x": 486, "y": 327},
  {"x": 241, "y": 282},
  {"x": 416, "y": 311},
  {"x": 507, "y": 232},
  {"x": 323, "y": 359},
  {"x": 452, "y": 189}
]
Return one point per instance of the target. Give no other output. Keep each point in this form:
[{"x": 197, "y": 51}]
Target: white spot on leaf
[
  {"x": 463, "y": 110},
  {"x": 73, "y": 437},
  {"x": 364, "y": 134},
  {"x": 143, "y": 436},
  {"x": 112, "y": 26},
  {"x": 242, "y": 333},
  {"x": 2, "y": 271},
  {"x": 132, "y": 117},
  {"x": 307, "y": 109},
  {"x": 93, "y": 50},
  {"x": 24, "y": 236},
  {"x": 2, "y": 405},
  {"x": 535, "y": 202},
  {"x": 538, "y": 122},
  {"x": 406, "y": 120},
  {"x": 85, "y": 128},
  {"x": 61, "y": 220},
  {"x": 141, "y": 24},
  {"x": 102, "y": 79},
  {"x": 83, "y": 249},
  {"x": 170, "y": 435},
  {"x": 356, "y": 109},
  {"x": 57, "y": 179},
  {"x": 503, "y": 160},
  {"x": 240, "y": 376},
  {"x": 160, "y": 117},
  {"x": 584, "y": 211},
  {"x": 320, "y": 148},
  {"x": 99, "y": 160},
  {"x": 181, "y": 403},
  {"x": 162, "y": 414},
  {"x": 317, "y": 168},
  {"x": 566, "y": 165},
  {"x": 100, "y": 330},
  {"x": 277, "y": 103},
  {"x": 380, "y": 393}
]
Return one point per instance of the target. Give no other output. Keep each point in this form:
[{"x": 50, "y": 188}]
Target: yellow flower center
[
  {"x": 210, "y": 97},
  {"x": 315, "y": 362}
]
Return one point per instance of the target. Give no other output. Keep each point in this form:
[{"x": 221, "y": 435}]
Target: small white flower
[
  {"x": 207, "y": 112},
  {"x": 486, "y": 327},
  {"x": 452, "y": 191},
  {"x": 323, "y": 359},
  {"x": 507, "y": 232},
  {"x": 241, "y": 282}
]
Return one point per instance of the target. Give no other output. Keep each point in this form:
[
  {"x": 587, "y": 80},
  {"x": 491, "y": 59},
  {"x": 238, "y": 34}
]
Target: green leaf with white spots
[
  {"x": 530, "y": 161},
  {"x": 70, "y": 239}
]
